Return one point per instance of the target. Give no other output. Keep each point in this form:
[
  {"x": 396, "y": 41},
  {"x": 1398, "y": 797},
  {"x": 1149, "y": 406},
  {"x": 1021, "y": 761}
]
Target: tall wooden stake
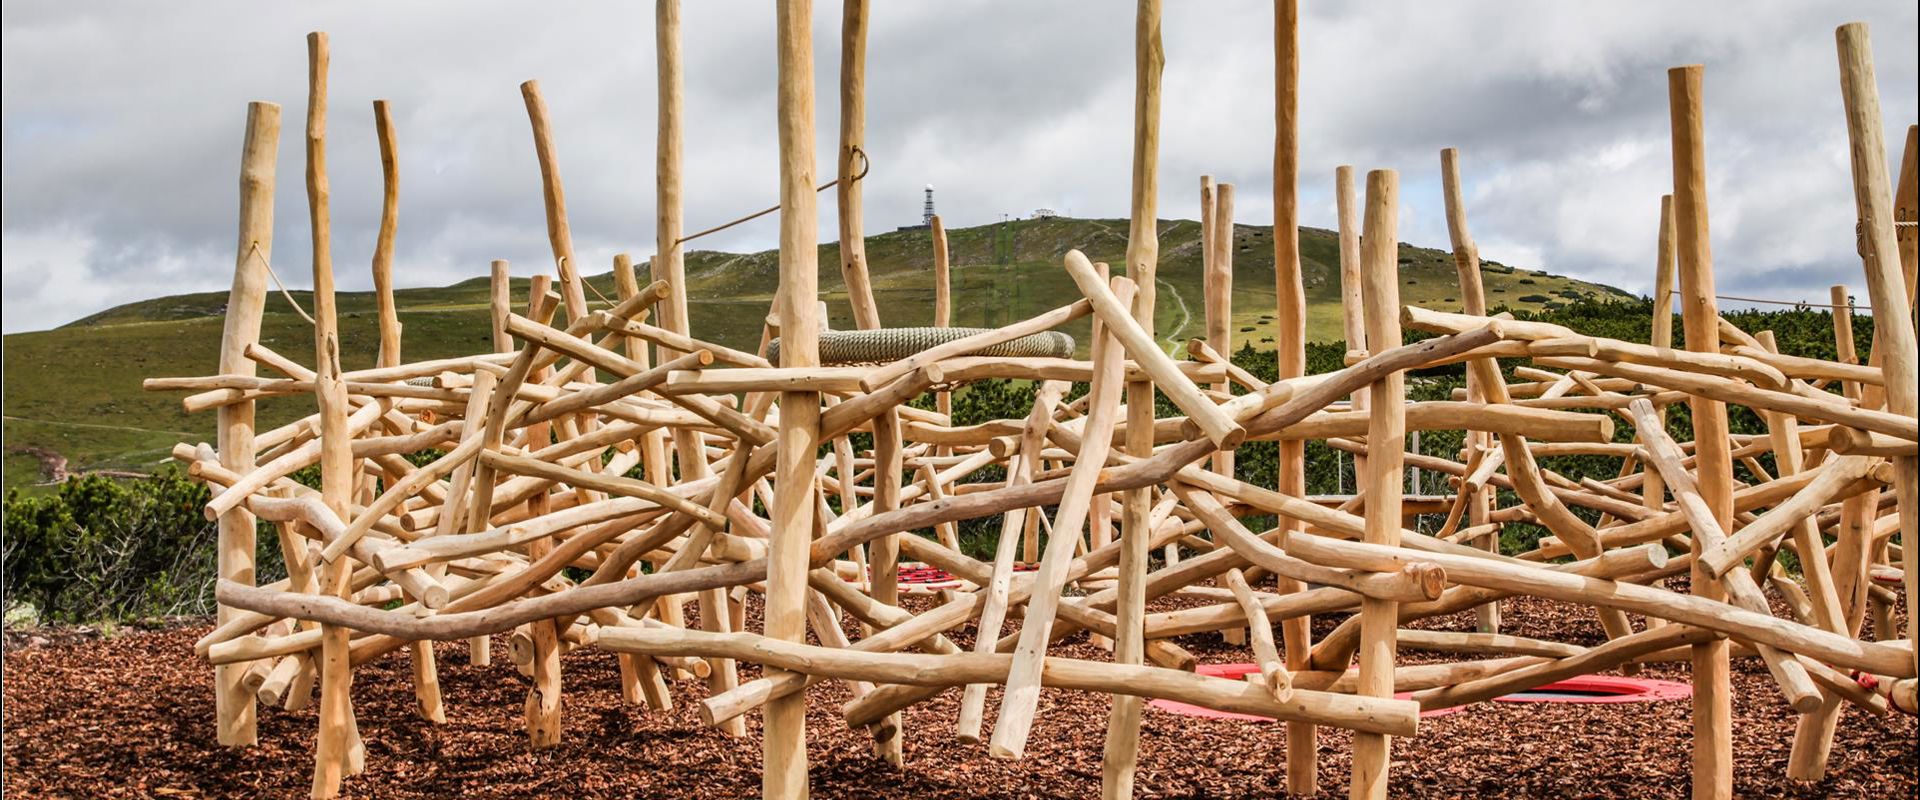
[
  {"x": 1654, "y": 489},
  {"x": 883, "y": 554},
  {"x": 333, "y": 752},
  {"x": 246, "y": 301},
  {"x": 383, "y": 241},
  {"x": 1893, "y": 333},
  {"x": 559, "y": 233},
  {"x": 853, "y": 135},
  {"x": 1143, "y": 258},
  {"x": 1218, "y": 288},
  {"x": 1290, "y": 345},
  {"x": 670, "y": 266},
  {"x": 426, "y": 675},
  {"x": 1700, "y": 320},
  {"x": 785, "y": 742},
  {"x": 1386, "y": 439},
  {"x": 1473, "y": 300}
]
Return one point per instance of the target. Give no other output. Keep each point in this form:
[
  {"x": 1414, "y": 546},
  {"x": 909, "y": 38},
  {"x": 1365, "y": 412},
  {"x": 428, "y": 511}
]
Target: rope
[
  {"x": 253, "y": 251},
  {"x": 1795, "y": 303},
  {"x": 883, "y": 345},
  {"x": 865, "y": 165},
  {"x": 560, "y": 266}
]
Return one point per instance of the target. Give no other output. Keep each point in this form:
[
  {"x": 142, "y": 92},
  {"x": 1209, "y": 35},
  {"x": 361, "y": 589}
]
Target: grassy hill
[{"x": 75, "y": 390}]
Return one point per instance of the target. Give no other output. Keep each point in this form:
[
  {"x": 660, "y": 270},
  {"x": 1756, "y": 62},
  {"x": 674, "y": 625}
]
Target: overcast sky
[{"x": 123, "y": 120}]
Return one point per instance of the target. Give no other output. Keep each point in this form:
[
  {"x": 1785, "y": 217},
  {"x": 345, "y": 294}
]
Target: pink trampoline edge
[{"x": 1584, "y": 689}]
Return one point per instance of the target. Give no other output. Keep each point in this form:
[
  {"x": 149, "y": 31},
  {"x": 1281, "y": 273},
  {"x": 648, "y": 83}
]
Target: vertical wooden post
[
  {"x": 1653, "y": 489},
  {"x": 1290, "y": 344},
  {"x": 1906, "y": 211},
  {"x": 1853, "y": 535},
  {"x": 500, "y": 305},
  {"x": 542, "y": 708},
  {"x": 1700, "y": 320},
  {"x": 333, "y": 751},
  {"x": 1143, "y": 259},
  {"x": 669, "y": 265},
  {"x": 853, "y": 135},
  {"x": 1893, "y": 333},
  {"x": 942, "y": 308},
  {"x": 784, "y": 746},
  {"x": 1217, "y": 270},
  {"x": 383, "y": 242},
  {"x": 691, "y": 455},
  {"x": 1217, "y": 298},
  {"x": 234, "y": 706},
  {"x": 559, "y": 233},
  {"x": 426, "y": 674},
  {"x": 1209, "y": 204},
  {"x": 1663, "y": 285},
  {"x": 652, "y": 444},
  {"x": 1386, "y": 441},
  {"x": 942, "y": 280},
  {"x": 883, "y": 554},
  {"x": 1473, "y": 300}
]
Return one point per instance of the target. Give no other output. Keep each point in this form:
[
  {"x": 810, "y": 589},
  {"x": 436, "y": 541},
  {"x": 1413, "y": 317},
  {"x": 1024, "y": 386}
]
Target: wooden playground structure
[{"x": 599, "y": 468}]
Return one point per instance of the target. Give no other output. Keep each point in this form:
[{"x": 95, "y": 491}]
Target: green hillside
[{"x": 75, "y": 390}]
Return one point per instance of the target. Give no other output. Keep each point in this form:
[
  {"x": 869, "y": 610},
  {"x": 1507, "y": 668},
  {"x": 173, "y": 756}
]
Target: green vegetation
[
  {"x": 75, "y": 390},
  {"x": 106, "y": 549}
]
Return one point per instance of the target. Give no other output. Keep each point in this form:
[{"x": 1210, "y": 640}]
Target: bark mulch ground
[{"x": 132, "y": 716}]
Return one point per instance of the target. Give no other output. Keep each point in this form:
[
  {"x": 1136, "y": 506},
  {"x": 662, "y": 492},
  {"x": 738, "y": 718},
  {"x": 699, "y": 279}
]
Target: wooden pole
[
  {"x": 1218, "y": 288},
  {"x": 234, "y": 706},
  {"x": 653, "y": 455},
  {"x": 942, "y": 281},
  {"x": 1473, "y": 300},
  {"x": 669, "y": 265},
  {"x": 883, "y": 555},
  {"x": 1386, "y": 439},
  {"x": 1215, "y": 321},
  {"x": 333, "y": 750},
  {"x": 1290, "y": 343},
  {"x": 426, "y": 674},
  {"x": 853, "y": 135},
  {"x": 785, "y": 741},
  {"x": 1653, "y": 489},
  {"x": 1700, "y": 319},
  {"x": 1887, "y": 285},
  {"x": 559, "y": 233},
  {"x": 942, "y": 310},
  {"x": 1121, "y": 752},
  {"x": 383, "y": 241}
]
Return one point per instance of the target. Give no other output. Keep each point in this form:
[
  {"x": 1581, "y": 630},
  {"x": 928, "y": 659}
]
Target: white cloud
[{"x": 122, "y": 122}]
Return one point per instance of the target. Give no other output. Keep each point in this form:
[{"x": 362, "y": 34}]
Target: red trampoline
[{"x": 918, "y": 578}]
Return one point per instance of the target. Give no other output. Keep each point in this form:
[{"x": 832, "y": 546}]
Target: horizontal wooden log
[
  {"x": 766, "y": 379},
  {"x": 1505, "y": 419},
  {"x": 1686, "y": 609},
  {"x": 502, "y": 617},
  {"x": 1394, "y": 717}
]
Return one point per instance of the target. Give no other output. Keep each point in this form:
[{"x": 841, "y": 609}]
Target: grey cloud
[{"x": 122, "y": 124}]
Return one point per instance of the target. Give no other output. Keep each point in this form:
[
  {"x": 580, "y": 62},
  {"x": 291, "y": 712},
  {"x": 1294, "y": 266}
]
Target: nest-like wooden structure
[{"x": 599, "y": 469}]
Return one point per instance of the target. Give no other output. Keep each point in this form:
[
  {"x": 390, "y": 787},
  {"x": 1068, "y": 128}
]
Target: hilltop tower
[{"x": 926, "y": 213}]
